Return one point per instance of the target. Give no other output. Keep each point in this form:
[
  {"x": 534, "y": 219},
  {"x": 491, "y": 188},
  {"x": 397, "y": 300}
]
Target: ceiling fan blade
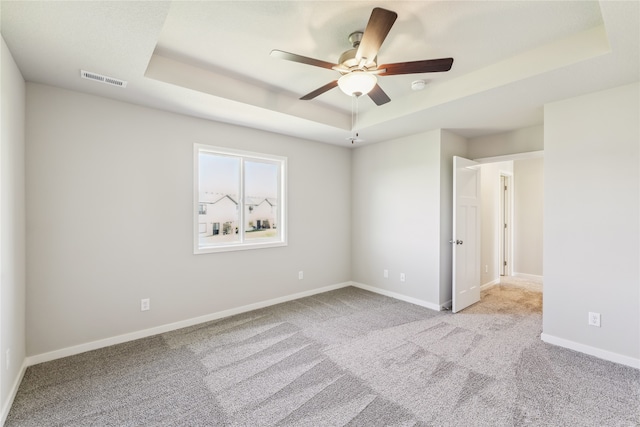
[
  {"x": 378, "y": 27},
  {"x": 320, "y": 90},
  {"x": 378, "y": 96},
  {"x": 302, "y": 59},
  {"x": 416, "y": 67}
]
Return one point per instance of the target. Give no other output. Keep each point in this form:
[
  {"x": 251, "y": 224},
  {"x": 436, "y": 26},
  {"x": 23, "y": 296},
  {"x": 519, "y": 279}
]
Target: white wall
[
  {"x": 402, "y": 215},
  {"x": 109, "y": 196},
  {"x": 518, "y": 141},
  {"x": 528, "y": 176},
  {"x": 12, "y": 227},
  {"x": 490, "y": 224},
  {"x": 591, "y": 223}
]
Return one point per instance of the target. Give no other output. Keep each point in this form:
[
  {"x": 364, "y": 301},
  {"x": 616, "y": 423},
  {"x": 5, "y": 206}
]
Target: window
[{"x": 239, "y": 200}]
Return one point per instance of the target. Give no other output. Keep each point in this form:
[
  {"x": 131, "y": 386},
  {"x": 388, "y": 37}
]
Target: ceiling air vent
[{"x": 104, "y": 79}]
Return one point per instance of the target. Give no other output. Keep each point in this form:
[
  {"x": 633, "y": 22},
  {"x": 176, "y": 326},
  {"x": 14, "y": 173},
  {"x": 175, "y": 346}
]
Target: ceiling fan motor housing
[
  {"x": 348, "y": 58},
  {"x": 355, "y": 38}
]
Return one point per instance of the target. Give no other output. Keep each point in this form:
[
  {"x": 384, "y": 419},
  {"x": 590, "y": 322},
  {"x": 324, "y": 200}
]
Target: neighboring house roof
[
  {"x": 257, "y": 201},
  {"x": 212, "y": 199}
]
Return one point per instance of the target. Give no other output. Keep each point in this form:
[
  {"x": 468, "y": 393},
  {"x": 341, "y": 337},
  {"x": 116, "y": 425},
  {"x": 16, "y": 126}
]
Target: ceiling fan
[{"x": 358, "y": 66}]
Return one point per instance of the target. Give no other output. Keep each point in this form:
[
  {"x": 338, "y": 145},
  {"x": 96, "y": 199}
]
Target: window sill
[{"x": 236, "y": 247}]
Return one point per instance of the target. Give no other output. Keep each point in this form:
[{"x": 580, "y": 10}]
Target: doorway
[{"x": 512, "y": 201}]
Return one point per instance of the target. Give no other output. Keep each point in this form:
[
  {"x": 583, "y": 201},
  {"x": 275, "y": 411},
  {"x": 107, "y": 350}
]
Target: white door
[{"x": 466, "y": 233}]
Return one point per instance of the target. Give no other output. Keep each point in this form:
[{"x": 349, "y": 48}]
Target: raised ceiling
[{"x": 211, "y": 59}]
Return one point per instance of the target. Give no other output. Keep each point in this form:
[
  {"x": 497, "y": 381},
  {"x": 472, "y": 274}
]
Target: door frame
[{"x": 505, "y": 251}]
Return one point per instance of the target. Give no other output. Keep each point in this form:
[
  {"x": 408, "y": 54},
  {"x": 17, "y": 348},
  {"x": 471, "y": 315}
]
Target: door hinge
[
  {"x": 505, "y": 226},
  {"x": 505, "y": 263}
]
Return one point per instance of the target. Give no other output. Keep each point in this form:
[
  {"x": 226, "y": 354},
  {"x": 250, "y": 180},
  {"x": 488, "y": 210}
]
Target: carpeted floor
[{"x": 346, "y": 357}]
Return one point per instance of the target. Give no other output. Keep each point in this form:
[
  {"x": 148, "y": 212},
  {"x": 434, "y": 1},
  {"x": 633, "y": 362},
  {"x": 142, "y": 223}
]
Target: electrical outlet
[
  {"x": 145, "y": 304},
  {"x": 486, "y": 268},
  {"x": 594, "y": 319},
  {"x": 402, "y": 277},
  {"x": 385, "y": 273},
  {"x": 300, "y": 275}
]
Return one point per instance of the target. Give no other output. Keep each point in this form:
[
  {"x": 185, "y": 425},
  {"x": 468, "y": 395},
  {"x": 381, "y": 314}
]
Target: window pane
[
  {"x": 218, "y": 197},
  {"x": 261, "y": 200}
]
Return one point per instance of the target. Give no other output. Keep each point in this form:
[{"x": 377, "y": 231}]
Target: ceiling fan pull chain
[
  {"x": 354, "y": 117},
  {"x": 355, "y": 120}
]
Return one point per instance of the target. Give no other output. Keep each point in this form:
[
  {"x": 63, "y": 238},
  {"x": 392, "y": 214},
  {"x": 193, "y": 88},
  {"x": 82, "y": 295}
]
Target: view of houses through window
[{"x": 239, "y": 199}]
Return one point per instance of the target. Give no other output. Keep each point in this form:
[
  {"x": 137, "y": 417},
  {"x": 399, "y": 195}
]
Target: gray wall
[
  {"x": 591, "y": 227},
  {"x": 450, "y": 145},
  {"x": 396, "y": 215},
  {"x": 402, "y": 215},
  {"x": 528, "y": 176},
  {"x": 12, "y": 226},
  {"x": 110, "y": 199}
]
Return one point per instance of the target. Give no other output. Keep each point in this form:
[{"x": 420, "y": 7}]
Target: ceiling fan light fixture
[{"x": 357, "y": 83}]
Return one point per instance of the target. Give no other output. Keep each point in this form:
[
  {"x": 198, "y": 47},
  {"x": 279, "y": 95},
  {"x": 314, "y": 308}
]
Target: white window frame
[{"x": 282, "y": 201}]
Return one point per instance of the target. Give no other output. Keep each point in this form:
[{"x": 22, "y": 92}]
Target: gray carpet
[{"x": 342, "y": 358}]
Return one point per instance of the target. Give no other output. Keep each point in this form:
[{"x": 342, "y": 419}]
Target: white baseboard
[
  {"x": 12, "y": 394},
  {"x": 490, "y": 284},
  {"x": 532, "y": 277},
  {"x": 592, "y": 351},
  {"x": 398, "y": 296},
  {"x": 119, "y": 339}
]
